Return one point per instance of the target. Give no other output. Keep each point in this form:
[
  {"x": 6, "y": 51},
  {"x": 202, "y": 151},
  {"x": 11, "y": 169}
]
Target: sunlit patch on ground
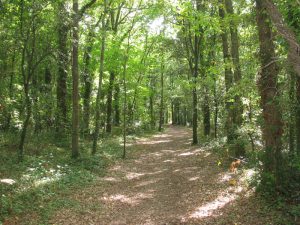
[
  {"x": 131, "y": 200},
  {"x": 224, "y": 177},
  {"x": 154, "y": 142},
  {"x": 211, "y": 208},
  {"x": 169, "y": 183},
  {"x": 193, "y": 178},
  {"x": 248, "y": 174},
  {"x": 132, "y": 175},
  {"x": 161, "y": 135},
  {"x": 7, "y": 181},
  {"x": 186, "y": 154},
  {"x": 207, "y": 154},
  {"x": 147, "y": 182},
  {"x": 169, "y": 160},
  {"x": 41, "y": 174},
  {"x": 110, "y": 179}
]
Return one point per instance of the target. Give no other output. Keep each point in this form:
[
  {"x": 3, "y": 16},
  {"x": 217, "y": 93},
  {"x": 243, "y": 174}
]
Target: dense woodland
[{"x": 77, "y": 73}]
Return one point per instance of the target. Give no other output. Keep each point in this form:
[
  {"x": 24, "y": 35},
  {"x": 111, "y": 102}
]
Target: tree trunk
[
  {"x": 151, "y": 102},
  {"x": 161, "y": 108},
  {"x": 284, "y": 30},
  {"x": 292, "y": 113},
  {"x": 194, "y": 91},
  {"x": 206, "y": 115},
  {"x": 117, "y": 104},
  {"x": 61, "y": 91},
  {"x": 75, "y": 78},
  {"x": 298, "y": 115},
  {"x": 273, "y": 125},
  {"x": 228, "y": 79},
  {"x": 101, "y": 71},
  {"x": 48, "y": 80},
  {"x": 88, "y": 86},
  {"x": 239, "y": 149},
  {"x": 109, "y": 102},
  {"x": 216, "y": 114}
]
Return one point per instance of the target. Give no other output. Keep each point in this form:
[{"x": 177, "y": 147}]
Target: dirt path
[{"x": 165, "y": 181}]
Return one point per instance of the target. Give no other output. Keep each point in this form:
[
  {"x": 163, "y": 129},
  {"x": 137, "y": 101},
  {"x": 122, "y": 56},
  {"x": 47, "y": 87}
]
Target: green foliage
[{"x": 44, "y": 182}]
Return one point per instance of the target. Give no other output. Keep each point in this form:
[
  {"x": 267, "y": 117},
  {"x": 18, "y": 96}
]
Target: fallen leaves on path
[{"x": 165, "y": 180}]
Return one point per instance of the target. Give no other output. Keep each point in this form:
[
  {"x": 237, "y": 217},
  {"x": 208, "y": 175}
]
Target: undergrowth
[{"x": 47, "y": 176}]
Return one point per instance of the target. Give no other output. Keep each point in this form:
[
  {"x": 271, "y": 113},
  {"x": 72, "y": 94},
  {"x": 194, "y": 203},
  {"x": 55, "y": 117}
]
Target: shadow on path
[{"x": 165, "y": 180}]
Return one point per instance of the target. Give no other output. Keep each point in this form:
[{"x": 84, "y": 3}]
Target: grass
[{"x": 47, "y": 176}]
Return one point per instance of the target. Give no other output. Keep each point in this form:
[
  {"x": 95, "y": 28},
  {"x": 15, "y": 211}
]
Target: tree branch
[{"x": 84, "y": 8}]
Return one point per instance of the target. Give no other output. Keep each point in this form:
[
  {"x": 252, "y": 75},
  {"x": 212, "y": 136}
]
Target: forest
[{"x": 150, "y": 112}]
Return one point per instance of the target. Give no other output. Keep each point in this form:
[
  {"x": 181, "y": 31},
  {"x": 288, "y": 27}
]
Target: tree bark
[
  {"x": 117, "y": 104},
  {"x": 292, "y": 113},
  {"x": 194, "y": 88},
  {"x": 109, "y": 102},
  {"x": 273, "y": 125},
  {"x": 161, "y": 107},
  {"x": 88, "y": 85},
  {"x": 286, "y": 33},
  {"x": 228, "y": 77},
  {"x": 75, "y": 78},
  {"x": 239, "y": 149},
  {"x": 101, "y": 71},
  {"x": 61, "y": 91}
]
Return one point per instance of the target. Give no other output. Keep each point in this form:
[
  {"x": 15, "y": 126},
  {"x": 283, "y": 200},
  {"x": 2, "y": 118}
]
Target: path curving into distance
[{"x": 166, "y": 181}]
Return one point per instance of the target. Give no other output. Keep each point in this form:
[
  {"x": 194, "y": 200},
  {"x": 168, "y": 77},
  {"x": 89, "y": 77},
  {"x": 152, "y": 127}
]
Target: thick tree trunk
[
  {"x": 109, "y": 102},
  {"x": 273, "y": 125}
]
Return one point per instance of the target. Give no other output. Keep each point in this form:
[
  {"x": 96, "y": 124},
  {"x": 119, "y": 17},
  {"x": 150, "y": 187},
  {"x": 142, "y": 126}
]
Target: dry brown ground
[{"x": 165, "y": 180}]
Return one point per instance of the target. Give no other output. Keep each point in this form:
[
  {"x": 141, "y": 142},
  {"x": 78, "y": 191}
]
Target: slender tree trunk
[
  {"x": 216, "y": 114},
  {"x": 61, "y": 91},
  {"x": 26, "y": 76},
  {"x": 151, "y": 102},
  {"x": 125, "y": 97},
  {"x": 88, "y": 86},
  {"x": 206, "y": 115},
  {"x": 228, "y": 79},
  {"x": 48, "y": 87},
  {"x": 109, "y": 102},
  {"x": 173, "y": 112},
  {"x": 97, "y": 118},
  {"x": 75, "y": 78},
  {"x": 239, "y": 149},
  {"x": 273, "y": 125},
  {"x": 117, "y": 104},
  {"x": 298, "y": 115},
  {"x": 161, "y": 110},
  {"x": 11, "y": 90},
  {"x": 292, "y": 113},
  {"x": 194, "y": 91}
]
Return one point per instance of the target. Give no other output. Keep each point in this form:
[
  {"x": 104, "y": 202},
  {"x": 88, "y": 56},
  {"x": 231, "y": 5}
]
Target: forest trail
[{"x": 165, "y": 180}]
